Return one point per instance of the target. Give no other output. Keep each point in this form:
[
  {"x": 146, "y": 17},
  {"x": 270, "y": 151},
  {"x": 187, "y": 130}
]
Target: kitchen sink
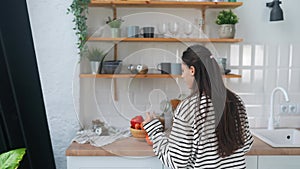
[{"x": 278, "y": 137}]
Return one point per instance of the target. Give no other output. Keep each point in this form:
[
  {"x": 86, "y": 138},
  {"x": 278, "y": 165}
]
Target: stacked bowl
[{"x": 112, "y": 66}]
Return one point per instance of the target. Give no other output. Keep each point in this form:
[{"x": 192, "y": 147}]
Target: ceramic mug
[
  {"x": 165, "y": 67},
  {"x": 148, "y": 32},
  {"x": 176, "y": 68},
  {"x": 133, "y": 31}
]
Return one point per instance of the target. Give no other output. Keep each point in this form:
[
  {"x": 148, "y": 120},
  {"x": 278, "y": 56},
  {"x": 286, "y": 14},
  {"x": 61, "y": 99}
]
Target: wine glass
[
  {"x": 188, "y": 29},
  {"x": 173, "y": 28},
  {"x": 162, "y": 29}
]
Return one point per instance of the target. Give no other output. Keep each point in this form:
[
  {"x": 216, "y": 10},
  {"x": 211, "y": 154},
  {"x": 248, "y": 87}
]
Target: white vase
[{"x": 226, "y": 31}]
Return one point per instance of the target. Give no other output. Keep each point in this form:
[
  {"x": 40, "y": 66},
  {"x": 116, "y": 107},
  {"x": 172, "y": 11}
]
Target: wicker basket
[{"x": 138, "y": 133}]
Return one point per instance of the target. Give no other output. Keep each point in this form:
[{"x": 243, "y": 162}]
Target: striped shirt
[{"x": 192, "y": 142}]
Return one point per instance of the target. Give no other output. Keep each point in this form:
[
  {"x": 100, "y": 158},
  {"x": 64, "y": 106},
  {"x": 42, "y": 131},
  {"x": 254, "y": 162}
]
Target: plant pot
[
  {"x": 115, "y": 32},
  {"x": 94, "y": 66},
  {"x": 226, "y": 31},
  {"x": 115, "y": 23}
]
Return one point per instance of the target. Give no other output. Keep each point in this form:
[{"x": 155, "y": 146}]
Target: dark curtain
[{"x": 23, "y": 121}]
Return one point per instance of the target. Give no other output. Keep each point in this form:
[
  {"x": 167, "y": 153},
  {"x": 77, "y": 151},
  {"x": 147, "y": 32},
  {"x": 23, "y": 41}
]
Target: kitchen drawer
[
  {"x": 112, "y": 162},
  {"x": 278, "y": 162},
  {"x": 251, "y": 162},
  {"x": 116, "y": 168}
]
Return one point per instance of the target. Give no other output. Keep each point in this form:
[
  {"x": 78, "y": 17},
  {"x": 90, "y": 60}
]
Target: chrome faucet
[{"x": 271, "y": 118}]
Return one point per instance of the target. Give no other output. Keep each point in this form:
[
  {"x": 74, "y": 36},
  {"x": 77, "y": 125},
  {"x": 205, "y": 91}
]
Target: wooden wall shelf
[
  {"x": 203, "y": 40},
  {"x": 114, "y": 4},
  {"x": 164, "y": 4},
  {"x": 150, "y": 76}
]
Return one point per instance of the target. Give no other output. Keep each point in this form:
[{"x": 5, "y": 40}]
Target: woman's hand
[{"x": 149, "y": 117}]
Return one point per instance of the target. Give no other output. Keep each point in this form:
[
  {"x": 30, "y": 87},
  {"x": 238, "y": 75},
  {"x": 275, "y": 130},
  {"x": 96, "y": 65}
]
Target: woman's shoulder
[
  {"x": 189, "y": 106},
  {"x": 195, "y": 100},
  {"x": 190, "y": 100},
  {"x": 234, "y": 95},
  {"x": 238, "y": 98}
]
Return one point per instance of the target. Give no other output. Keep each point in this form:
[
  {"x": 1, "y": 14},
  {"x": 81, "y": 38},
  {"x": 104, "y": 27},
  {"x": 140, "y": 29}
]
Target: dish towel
[{"x": 98, "y": 140}]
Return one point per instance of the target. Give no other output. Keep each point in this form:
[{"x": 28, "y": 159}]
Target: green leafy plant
[
  {"x": 114, "y": 23},
  {"x": 226, "y": 17},
  {"x": 96, "y": 55},
  {"x": 79, "y": 8},
  {"x": 11, "y": 159}
]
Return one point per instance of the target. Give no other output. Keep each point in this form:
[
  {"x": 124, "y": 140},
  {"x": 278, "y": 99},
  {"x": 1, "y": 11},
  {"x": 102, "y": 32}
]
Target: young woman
[{"x": 210, "y": 127}]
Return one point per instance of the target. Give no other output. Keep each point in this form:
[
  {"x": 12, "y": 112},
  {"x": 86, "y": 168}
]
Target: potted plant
[
  {"x": 227, "y": 20},
  {"x": 11, "y": 159},
  {"x": 115, "y": 25},
  {"x": 96, "y": 58},
  {"x": 79, "y": 8}
]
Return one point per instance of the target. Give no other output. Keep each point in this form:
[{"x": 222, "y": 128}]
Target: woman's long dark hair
[{"x": 209, "y": 83}]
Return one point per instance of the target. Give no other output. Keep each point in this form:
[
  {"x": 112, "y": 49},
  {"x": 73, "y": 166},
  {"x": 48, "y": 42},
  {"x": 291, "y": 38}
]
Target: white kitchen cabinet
[
  {"x": 118, "y": 162},
  {"x": 278, "y": 162},
  {"x": 121, "y": 162},
  {"x": 251, "y": 162},
  {"x": 112, "y": 162}
]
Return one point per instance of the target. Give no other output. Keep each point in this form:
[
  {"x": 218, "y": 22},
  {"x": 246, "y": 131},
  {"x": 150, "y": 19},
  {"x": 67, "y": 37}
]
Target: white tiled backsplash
[{"x": 262, "y": 67}]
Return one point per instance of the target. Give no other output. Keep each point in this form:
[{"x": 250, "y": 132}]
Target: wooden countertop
[
  {"x": 138, "y": 147},
  {"x": 123, "y": 147}
]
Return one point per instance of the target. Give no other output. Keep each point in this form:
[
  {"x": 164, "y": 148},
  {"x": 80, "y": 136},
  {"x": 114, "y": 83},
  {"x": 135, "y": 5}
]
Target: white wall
[
  {"x": 57, "y": 57},
  {"x": 57, "y": 60}
]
